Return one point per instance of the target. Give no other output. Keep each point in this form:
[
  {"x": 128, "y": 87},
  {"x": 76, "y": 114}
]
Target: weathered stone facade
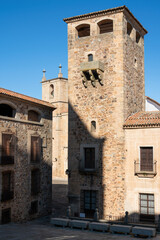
[
  {"x": 108, "y": 103},
  {"x": 20, "y": 195}
]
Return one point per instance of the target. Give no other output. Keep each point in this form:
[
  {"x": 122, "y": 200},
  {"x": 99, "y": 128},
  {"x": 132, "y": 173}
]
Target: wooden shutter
[
  {"x": 35, "y": 149},
  {"x": 146, "y": 163},
  {"x": 89, "y": 158},
  {"x": 7, "y": 148}
]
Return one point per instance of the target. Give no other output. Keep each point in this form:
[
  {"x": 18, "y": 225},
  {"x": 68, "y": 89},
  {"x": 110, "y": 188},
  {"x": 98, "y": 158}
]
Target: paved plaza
[{"x": 41, "y": 229}]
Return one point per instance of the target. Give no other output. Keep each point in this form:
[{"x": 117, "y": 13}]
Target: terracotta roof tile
[
  {"x": 25, "y": 97},
  {"x": 143, "y": 119}
]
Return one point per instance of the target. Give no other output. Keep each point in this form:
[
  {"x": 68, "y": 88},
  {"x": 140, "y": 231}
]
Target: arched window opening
[
  {"x": 138, "y": 36},
  {"x": 33, "y": 116},
  {"x": 90, "y": 57},
  {"x": 52, "y": 90},
  {"x": 83, "y": 30},
  {"x": 93, "y": 126},
  {"x": 6, "y": 110},
  {"x": 129, "y": 28},
  {"x": 105, "y": 26}
]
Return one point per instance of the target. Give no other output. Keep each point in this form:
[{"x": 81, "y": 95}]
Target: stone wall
[
  {"x": 108, "y": 104},
  {"x": 22, "y": 130}
]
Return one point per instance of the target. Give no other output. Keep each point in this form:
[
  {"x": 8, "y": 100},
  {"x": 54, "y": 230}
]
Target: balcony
[
  {"x": 145, "y": 170},
  {"x": 7, "y": 195}
]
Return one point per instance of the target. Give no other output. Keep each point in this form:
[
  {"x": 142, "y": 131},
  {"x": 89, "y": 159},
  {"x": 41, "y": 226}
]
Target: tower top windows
[
  {"x": 105, "y": 26},
  {"x": 83, "y": 30}
]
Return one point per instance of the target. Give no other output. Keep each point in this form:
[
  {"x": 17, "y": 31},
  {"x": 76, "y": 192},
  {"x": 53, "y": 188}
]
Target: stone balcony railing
[{"x": 145, "y": 170}]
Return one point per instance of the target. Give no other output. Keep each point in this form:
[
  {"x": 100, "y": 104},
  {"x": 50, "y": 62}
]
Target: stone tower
[
  {"x": 106, "y": 85},
  {"x": 55, "y": 91}
]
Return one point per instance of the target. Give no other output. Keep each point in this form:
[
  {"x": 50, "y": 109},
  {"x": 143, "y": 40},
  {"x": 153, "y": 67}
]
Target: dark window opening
[
  {"x": 7, "y": 186},
  {"x": 129, "y": 28},
  {"x": 35, "y": 149},
  {"x": 147, "y": 207},
  {"x": 146, "y": 159},
  {"x": 6, "y": 216},
  {"x": 138, "y": 36},
  {"x": 90, "y": 57},
  {"x": 105, "y": 26},
  {"x": 93, "y": 126},
  {"x": 33, "y": 116},
  {"x": 7, "y": 156},
  {"x": 83, "y": 30},
  {"x": 34, "y": 207},
  {"x": 89, "y": 155},
  {"x": 35, "y": 181},
  {"x": 6, "y": 110},
  {"x": 89, "y": 203},
  {"x": 52, "y": 90}
]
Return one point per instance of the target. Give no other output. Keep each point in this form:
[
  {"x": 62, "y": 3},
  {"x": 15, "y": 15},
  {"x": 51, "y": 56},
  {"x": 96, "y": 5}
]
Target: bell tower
[{"x": 56, "y": 91}]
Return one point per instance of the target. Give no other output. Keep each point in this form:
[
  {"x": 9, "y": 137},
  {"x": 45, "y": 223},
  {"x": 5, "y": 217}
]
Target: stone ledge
[
  {"x": 104, "y": 227},
  {"x": 143, "y": 231},
  {"x": 120, "y": 229},
  {"x": 20, "y": 120},
  {"x": 60, "y": 222},
  {"x": 78, "y": 224}
]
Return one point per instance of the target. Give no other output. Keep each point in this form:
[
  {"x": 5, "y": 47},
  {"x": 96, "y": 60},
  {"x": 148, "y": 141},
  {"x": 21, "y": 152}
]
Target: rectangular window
[
  {"x": 7, "y": 186},
  {"x": 89, "y": 202},
  {"x": 35, "y": 182},
  {"x": 7, "y": 149},
  {"x": 6, "y": 216},
  {"x": 34, "y": 207},
  {"x": 146, "y": 159},
  {"x": 89, "y": 156},
  {"x": 146, "y": 207},
  {"x": 35, "y": 149}
]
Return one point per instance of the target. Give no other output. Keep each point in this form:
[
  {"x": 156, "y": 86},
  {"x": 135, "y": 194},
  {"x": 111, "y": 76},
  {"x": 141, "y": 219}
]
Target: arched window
[
  {"x": 52, "y": 90},
  {"x": 93, "y": 126},
  {"x": 90, "y": 57},
  {"x": 6, "y": 110},
  {"x": 105, "y": 26},
  {"x": 129, "y": 28},
  {"x": 33, "y": 116},
  {"x": 83, "y": 30},
  {"x": 138, "y": 36}
]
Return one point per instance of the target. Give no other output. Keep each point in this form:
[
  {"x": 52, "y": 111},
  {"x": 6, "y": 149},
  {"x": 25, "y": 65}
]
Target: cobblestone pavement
[{"x": 41, "y": 229}]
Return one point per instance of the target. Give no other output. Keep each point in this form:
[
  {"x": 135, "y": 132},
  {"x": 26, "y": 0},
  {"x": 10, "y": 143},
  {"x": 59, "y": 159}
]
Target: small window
[
  {"x": 83, "y": 30},
  {"x": 146, "y": 159},
  {"x": 7, "y": 156},
  {"x": 35, "y": 181},
  {"x": 90, "y": 57},
  {"x": 138, "y": 37},
  {"x": 89, "y": 203},
  {"x": 35, "y": 149},
  {"x": 34, "y": 207},
  {"x": 6, "y": 110},
  {"x": 105, "y": 26},
  {"x": 89, "y": 158},
  {"x": 6, "y": 216},
  {"x": 146, "y": 207},
  {"x": 129, "y": 28},
  {"x": 93, "y": 126},
  {"x": 52, "y": 90},
  {"x": 33, "y": 116},
  {"x": 7, "y": 186}
]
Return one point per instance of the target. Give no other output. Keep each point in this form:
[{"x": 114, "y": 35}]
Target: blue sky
[{"x": 34, "y": 36}]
